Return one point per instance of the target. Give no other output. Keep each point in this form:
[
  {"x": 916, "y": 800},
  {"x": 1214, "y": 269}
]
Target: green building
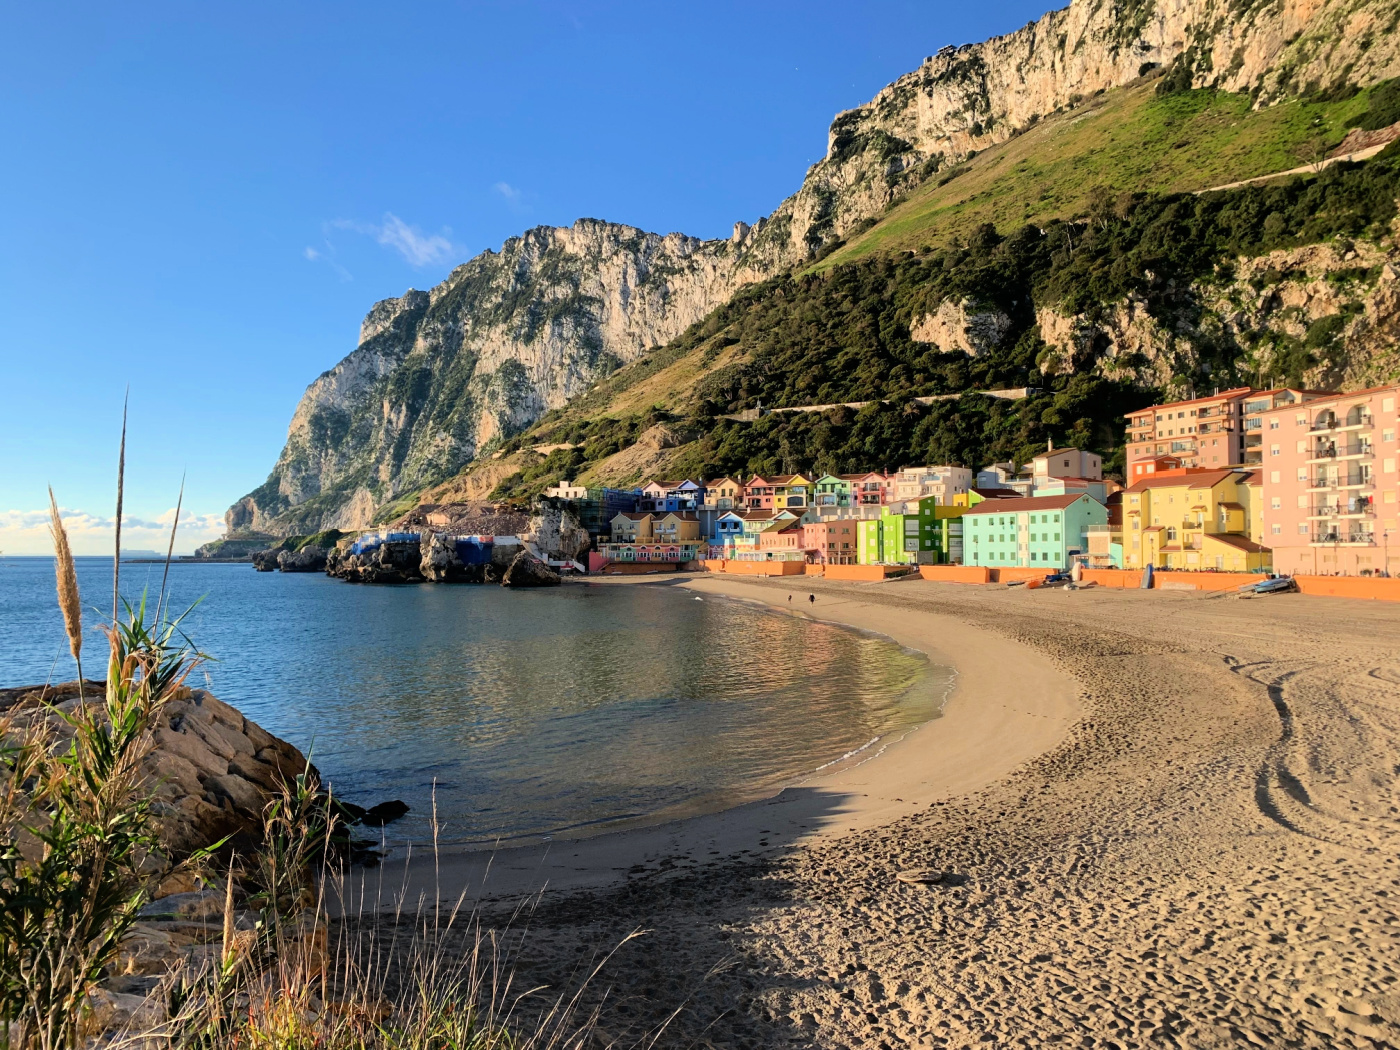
[{"x": 913, "y": 532}]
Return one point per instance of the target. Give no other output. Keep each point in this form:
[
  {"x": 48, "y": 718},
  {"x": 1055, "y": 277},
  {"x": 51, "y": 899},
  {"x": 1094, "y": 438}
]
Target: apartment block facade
[
  {"x": 1331, "y": 489},
  {"x": 1202, "y": 432}
]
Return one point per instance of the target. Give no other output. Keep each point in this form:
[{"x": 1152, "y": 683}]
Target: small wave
[{"x": 848, "y": 754}]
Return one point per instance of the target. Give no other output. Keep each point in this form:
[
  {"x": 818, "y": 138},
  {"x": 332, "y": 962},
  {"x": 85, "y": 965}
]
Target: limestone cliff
[
  {"x": 1323, "y": 315},
  {"x": 438, "y": 376}
]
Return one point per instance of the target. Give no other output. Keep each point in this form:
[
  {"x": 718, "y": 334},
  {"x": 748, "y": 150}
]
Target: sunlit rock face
[{"x": 438, "y": 376}]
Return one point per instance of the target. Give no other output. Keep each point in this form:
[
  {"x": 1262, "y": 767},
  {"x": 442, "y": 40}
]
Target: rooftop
[{"x": 1031, "y": 503}]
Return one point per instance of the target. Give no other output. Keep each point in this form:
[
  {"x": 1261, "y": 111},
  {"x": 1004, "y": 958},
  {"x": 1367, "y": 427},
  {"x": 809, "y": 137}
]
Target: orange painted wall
[
  {"x": 1375, "y": 588},
  {"x": 956, "y": 573},
  {"x": 858, "y": 572},
  {"x": 1112, "y": 577},
  {"x": 1207, "y": 581},
  {"x": 757, "y": 568},
  {"x": 637, "y": 568}
]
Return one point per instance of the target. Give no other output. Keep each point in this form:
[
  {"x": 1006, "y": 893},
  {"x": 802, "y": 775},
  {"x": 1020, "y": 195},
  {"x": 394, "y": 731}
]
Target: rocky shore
[{"x": 213, "y": 773}]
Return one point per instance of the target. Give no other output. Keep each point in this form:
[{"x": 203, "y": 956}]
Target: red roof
[
  {"x": 1014, "y": 506},
  {"x": 1240, "y": 542},
  {"x": 1201, "y": 480},
  {"x": 1236, "y": 392}
]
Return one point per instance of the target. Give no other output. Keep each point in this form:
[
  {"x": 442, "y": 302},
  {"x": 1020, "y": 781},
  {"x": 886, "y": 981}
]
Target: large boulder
[
  {"x": 212, "y": 770},
  {"x": 265, "y": 561},
  {"x": 308, "y": 559},
  {"x": 439, "y": 561},
  {"x": 528, "y": 571},
  {"x": 555, "y": 529}
]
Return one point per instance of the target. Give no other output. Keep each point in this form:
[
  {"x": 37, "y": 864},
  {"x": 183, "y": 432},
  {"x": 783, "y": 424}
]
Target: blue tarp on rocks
[{"x": 474, "y": 550}]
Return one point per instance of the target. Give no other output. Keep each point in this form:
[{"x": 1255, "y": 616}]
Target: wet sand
[{"x": 1165, "y": 819}]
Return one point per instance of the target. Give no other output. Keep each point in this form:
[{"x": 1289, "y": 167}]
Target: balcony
[
  {"x": 1342, "y": 538},
  {"x": 1353, "y": 509},
  {"x": 1353, "y": 480},
  {"x": 1351, "y": 421},
  {"x": 1331, "y": 451}
]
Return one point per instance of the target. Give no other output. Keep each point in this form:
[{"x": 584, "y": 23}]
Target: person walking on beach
[
  {"x": 812, "y": 598},
  {"x": 789, "y": 599}
]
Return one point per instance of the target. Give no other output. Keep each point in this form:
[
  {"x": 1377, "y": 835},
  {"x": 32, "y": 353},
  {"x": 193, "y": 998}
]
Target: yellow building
[
  {"x": 676, "y": 527},
  {"x": 632, "y": 527},
  {"x": 1193, "y": 520}
]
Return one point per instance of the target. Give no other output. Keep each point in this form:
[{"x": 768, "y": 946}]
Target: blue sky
[{"x": 202, "y": 201}]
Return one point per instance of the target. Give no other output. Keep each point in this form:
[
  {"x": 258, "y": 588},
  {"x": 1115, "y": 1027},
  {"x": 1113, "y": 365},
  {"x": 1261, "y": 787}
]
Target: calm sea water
[{"x": 529, "y": 712}]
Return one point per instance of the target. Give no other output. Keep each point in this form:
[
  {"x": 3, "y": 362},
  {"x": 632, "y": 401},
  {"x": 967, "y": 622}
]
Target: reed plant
[{"x": 80, "y": 856}]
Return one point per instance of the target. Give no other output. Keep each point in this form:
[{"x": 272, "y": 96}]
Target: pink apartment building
[
  {"x": 1330, "y": 483},
  {"x": 1202, "y": 432},
  {"x": 831, "y": 542}
]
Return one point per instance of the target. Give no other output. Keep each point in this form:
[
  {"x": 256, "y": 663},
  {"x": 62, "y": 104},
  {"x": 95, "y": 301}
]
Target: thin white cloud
[
  {"x": 311, "y": 254},
  {"x": 417, "y": 248},
  {"x": 515, "y": 197},
  {"x": 27, "y": 531}
]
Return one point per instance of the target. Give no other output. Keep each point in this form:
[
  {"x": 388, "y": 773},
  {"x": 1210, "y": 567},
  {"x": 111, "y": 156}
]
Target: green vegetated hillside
[
  {"x": 1070, "y": 260},
  {"x": 1137, "y": 139}
]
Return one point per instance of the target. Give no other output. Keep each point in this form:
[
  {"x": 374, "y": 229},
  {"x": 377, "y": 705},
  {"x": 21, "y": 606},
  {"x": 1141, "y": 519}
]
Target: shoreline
[{"x": 989, "y": 725}]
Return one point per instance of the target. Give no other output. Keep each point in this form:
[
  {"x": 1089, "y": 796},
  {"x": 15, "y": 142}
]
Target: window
[
  {"x": 1302, "y": 474},
  {"x": 1277, "y": 529},
  {"x": 1387, "y": 435},
  {"x": 1274, "y": 477},
  {"x": 1273, "y": 450},
  {"x": 1303, "y": 528},
  {"x": 1057, "y": 537},
  {"x": 1388, "y": 405},
  {"x": 1057, "y": 519},
  {"x": 1302, "y": 446},
  {"x": 1303, "y": 500},
  {"x": 1276, "y": 503},
  {"x": 1273, "y": 424},
  {"x": 1300, "y": 420}
]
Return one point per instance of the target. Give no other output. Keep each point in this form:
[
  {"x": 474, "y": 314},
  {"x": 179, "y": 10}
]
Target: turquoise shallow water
[{"x": 527, "y": 712}]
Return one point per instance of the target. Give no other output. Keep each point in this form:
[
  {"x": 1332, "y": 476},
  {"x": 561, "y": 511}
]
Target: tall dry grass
[{"x": 80, "y": 856}]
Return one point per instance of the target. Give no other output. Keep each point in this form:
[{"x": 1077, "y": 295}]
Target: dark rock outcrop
[
  {"x": 528, "y": 571},
  {"x": 308, "y": 559},
  {"x": 265, "y": 561},
  {"x": 398, "y": 562}
]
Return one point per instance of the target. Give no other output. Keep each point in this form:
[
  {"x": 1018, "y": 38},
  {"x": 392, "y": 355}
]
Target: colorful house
[
  {"x": 944, "y": 482},
  {"x": 831, "y": 541},
  {"x": 1035, "y": 532},
  {"x": 868, "y": 489},
  {"x": 829, "y": 490},
  {"x": 676, "y": 527},
  {"x": 724, "y": 494},
  {"x": 1185, "y": 518},
  {"x": 912, "y": 532},
  {"x": 632, "y": 527},
  {"x": 781, "y": 541},
  {"x": 744, "y": 544}
]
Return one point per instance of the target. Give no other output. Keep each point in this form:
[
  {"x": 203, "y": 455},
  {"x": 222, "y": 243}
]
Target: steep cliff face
[
  {"x": 439, "y": 375},
  {"x": 1325, "y": 316}
]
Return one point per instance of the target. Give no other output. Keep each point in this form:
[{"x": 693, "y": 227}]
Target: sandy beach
[{"x": 1164, "y": 818}]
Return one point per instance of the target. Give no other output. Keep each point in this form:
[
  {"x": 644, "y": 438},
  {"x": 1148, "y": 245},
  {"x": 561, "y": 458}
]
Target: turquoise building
[{"x": 1041, "y": 532}]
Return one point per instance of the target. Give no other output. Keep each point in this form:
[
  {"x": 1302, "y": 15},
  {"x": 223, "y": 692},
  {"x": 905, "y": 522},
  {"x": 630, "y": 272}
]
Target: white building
[
  {"x": 1066, "y": 463},
  {"x": 943, "y": 483},
  {"x": 567, "y": 490}
]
